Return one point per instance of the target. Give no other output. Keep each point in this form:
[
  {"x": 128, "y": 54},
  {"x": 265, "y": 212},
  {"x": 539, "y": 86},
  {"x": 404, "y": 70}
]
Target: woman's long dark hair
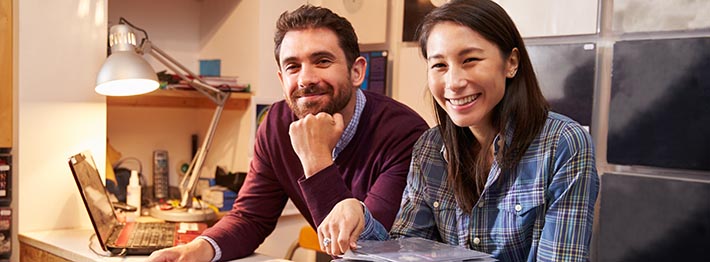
[{"x": 522, "y": 111}]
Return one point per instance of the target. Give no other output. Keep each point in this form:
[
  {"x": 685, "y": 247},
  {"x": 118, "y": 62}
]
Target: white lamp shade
[{"x": 125, "y": 73}]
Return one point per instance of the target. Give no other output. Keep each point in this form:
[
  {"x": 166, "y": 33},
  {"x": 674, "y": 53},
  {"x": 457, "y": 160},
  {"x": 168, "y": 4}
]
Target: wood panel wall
[{"x": 6, "y": 73}]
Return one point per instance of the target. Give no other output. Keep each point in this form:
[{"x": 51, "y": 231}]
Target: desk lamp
[{"x": 125, "y": 73}]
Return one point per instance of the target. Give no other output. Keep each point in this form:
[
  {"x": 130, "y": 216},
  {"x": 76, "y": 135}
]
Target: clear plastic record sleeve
[{"x": 413, "y": 249}]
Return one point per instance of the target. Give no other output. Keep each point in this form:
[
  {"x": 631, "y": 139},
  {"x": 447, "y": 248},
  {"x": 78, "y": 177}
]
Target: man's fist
[{"x": 313, "y": 138}]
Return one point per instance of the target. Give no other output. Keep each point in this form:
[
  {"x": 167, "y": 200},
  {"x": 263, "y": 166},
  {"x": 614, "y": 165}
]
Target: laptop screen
[{"x": 94, "y": 194}]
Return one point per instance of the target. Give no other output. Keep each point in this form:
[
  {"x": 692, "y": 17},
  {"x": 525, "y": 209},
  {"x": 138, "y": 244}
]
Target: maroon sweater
[{"x": 373, "y": 168}]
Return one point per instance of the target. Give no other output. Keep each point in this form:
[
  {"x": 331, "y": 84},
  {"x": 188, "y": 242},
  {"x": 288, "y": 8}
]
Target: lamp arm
[
  {"x": 193, "y": 172},
  {"x": 188, "y": 173},
  {"x": 214, "y": 94},
  {"x": 188, "y": 184}
]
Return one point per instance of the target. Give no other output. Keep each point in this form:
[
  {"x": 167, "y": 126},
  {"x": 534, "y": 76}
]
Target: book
[
  {"x": 5, "y": 232},
  {"x": 224, "y": 83},
  {"x": 413, "y": 249},
  {"x": 5, "y": 180}
]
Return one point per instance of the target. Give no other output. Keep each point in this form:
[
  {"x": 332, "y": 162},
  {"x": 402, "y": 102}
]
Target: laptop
[{"x": 132, "y": 238}]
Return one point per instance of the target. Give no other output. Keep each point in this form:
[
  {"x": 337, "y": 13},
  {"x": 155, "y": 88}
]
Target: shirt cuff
[
  {"x": 369, "y": 225},
  {"x": 217, "y": 251},
  {"x": 373, "y": 229}
]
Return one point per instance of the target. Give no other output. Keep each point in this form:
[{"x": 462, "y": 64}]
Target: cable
[
  {"x": 123, "y": 20},
  {"x": 144, "y": 39},
  {"x": 140, "y": 164},
  {"x": 91, "y": 247}
]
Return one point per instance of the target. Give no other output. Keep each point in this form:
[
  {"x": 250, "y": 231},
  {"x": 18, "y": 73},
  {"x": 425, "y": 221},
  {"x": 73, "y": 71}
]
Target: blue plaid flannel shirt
[{"x": 542, "y": 211}]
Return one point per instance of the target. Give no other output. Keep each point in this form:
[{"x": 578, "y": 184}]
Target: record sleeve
[{"x": 413, "y": 249}]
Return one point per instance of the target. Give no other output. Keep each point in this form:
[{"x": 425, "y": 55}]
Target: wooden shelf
[{"x": 178, "y": 98}]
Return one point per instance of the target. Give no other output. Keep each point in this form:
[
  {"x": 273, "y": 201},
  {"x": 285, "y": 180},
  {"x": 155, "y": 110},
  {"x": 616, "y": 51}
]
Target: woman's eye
[
  {"x": 472, "y": 59},
  {"x": 438, "y": 65}
]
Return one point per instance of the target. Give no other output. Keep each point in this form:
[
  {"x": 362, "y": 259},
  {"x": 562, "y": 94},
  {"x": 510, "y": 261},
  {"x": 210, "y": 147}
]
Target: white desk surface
[{"x": 73, "y": 244}]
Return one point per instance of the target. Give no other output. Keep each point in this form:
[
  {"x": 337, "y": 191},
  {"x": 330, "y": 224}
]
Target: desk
[{"x": 73, "y": 245}]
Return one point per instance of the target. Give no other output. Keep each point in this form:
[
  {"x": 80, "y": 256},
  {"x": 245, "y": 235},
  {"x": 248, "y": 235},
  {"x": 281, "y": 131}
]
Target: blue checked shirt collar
[{"x": 352, "y": 126}]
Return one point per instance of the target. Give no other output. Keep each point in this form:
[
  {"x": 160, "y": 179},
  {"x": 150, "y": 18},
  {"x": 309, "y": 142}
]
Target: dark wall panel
[
  {"x": 653, "y": 219},
  {"x": 566, "y": 76},
  {"x": 659, "y": 113}
]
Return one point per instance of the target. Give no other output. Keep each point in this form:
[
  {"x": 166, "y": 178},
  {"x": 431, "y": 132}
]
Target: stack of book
[{"x": 224, "y": 83}]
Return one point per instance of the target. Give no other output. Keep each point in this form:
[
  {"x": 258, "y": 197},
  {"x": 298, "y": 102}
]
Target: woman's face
[{"x": 467, "y": 73}]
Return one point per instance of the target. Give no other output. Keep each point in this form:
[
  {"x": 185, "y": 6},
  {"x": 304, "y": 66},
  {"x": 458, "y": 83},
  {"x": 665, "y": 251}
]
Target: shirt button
[
  {"x": 518, "y": 207},
  {"x": 436, "y": 204},
  {"x": 480, "y": 204},
  {"x": 476, "y": 240}
]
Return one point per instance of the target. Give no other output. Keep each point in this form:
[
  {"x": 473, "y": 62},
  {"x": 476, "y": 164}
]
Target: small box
[
  {"x": 211, "y": 67},
  {"x": 229, "y": 198},
  {"x": 221, "y": 197}
]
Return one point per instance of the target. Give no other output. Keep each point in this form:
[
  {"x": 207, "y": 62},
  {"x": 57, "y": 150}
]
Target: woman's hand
[{"x": 340, "y": 230}]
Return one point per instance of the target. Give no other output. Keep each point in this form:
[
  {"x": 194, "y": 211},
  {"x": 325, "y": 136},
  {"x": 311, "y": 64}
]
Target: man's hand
[
  {"x": 313, "y": 138},
  {"x": 196, "y": 250},
  {"x": 342, "y": 226}
]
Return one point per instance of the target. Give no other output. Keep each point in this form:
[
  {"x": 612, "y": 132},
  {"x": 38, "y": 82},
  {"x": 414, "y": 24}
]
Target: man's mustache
[{"x": 310, "y": 90}]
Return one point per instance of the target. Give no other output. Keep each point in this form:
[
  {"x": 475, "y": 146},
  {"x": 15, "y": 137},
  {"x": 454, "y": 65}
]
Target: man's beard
[{"x": 335, "y": 104}]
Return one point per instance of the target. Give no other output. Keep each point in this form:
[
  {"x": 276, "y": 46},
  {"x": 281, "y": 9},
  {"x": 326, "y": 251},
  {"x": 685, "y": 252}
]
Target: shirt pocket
[
  {"x": 518, "y": 212},
  {"x": 521, "y": 204}
]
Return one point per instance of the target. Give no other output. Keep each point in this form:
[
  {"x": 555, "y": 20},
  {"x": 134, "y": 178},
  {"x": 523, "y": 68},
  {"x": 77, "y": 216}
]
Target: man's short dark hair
[{"x": 311, "y": 17}]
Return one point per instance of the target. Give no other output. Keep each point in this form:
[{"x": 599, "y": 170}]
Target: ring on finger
[{"x": 326, "y": 241}]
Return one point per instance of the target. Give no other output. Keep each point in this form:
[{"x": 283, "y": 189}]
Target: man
[{"x": 327, "y": 142}]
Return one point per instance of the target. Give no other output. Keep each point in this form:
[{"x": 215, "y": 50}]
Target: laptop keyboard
[{"x": 152, "y": 234}]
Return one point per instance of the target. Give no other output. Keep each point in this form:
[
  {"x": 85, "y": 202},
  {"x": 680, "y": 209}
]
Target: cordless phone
[{"x": 161, "y": 183}]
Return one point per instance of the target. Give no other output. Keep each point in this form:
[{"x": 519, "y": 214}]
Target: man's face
[{"x": 314, "y": 72}]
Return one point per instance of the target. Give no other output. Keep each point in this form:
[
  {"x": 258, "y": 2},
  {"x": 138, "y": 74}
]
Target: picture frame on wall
[
  {"x": 414, "y": 12},
  {"x": 260, "y": 107},
  {"x": 376, "y": 72}
]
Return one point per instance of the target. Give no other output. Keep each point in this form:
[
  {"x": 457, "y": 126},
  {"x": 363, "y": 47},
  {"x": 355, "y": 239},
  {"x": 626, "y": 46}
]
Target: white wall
[
  {"x": 409, "y": 68},
  {"x": 61, "y": 45},
  {"x": 171, "y": 25},
  {"x": 553, "y": 17},
  {"x": 411, "y": 83},
  {"x": 368, "y": 17}
]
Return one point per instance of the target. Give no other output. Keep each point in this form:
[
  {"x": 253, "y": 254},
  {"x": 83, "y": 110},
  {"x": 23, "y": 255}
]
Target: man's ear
[
  {"x": 281, "y": 77},
  {"x": 357, "y": 72}
]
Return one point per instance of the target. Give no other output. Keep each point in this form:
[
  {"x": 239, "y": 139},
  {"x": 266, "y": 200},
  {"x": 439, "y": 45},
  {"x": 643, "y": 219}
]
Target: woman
[{"x": 500, "y": 174}]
